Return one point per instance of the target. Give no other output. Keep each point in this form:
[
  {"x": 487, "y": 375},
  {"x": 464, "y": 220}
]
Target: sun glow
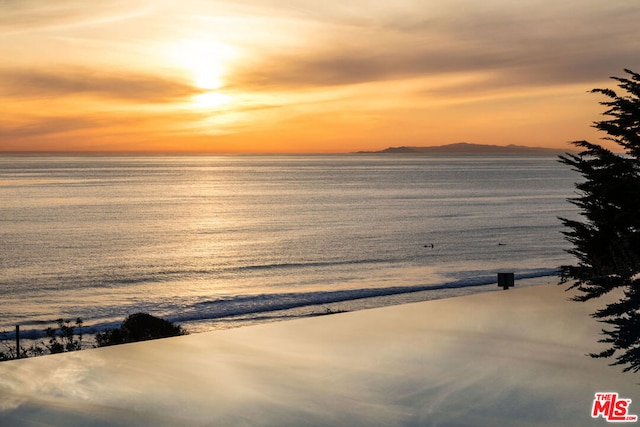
[
  {"x": 207, "y": 62},
  {"x": 211, "y": 99}
]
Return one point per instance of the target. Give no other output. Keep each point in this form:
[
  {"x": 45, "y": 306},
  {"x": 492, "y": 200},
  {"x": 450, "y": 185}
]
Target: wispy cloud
[
  {"x": 107, "y": 71},
  {"x": 119, "y": 85},
  {"x": 525, "y": 46},
  {"x": 46, "y": 126},
  {"x": 27, "y": 16}
]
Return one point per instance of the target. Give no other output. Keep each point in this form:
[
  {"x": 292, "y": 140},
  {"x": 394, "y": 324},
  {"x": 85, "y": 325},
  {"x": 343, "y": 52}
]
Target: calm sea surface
[{"x": 219, "y": 241}]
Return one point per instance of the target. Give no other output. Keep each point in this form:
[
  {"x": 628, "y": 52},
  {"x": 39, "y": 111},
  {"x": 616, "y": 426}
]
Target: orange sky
[{"x": 306, "y": 76}]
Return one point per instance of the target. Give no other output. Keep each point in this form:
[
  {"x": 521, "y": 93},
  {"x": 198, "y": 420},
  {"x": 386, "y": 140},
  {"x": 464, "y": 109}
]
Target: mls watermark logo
[{"x": 612, "y": 408}]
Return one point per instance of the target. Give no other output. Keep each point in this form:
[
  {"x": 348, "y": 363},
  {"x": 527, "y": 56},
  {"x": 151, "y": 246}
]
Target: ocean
[{"x": 215, "y": 242}]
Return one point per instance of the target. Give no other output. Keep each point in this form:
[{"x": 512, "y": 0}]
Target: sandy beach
[{"x": 510, "y": 358}]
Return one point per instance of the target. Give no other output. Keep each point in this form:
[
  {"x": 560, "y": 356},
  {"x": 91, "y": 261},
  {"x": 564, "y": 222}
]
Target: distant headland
[{"x": 468, "y": 148}]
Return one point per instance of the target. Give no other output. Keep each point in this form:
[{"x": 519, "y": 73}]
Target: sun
[
  {"x": 211, "y": 99},
  {"x": 206, "y": 63}
]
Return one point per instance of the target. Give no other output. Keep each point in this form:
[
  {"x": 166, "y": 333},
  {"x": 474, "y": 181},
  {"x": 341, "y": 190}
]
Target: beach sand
[{"x": 506, "y": 358}]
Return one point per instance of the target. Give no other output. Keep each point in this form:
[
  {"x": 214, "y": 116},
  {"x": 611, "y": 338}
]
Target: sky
[{"x": 303, "y": 76}]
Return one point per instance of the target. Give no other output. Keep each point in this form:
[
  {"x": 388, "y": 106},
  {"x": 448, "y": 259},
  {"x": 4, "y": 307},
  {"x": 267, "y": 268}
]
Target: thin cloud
[
  {"x": 301, "y": 64},
  {"x": 46, "y": 126},
  {"x": 102, "y": 123},
  {"x": 27, "y": 16},
  {"x": 116, "y": 85},
  {"x": 558, "y": 46}
]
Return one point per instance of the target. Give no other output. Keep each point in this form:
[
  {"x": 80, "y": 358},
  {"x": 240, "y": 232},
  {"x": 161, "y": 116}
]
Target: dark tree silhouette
[
  {"x": 66, "y": 337},
  {"x": 139, "y": 327},
  {"x": 606, "y": 243},
  {"x": 63, "y": 339}
]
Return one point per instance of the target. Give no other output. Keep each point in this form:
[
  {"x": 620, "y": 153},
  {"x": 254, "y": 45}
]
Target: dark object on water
[
  {"x": 506, "y": 280},
  {"x": 429, "y": 246}
]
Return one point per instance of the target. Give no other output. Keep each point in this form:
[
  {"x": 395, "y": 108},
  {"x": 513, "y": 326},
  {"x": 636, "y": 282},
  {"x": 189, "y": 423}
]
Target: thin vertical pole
[{"x": 17, "y": 341}]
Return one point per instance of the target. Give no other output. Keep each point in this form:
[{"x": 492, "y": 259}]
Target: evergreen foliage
[{"x": 606, "y": 243}]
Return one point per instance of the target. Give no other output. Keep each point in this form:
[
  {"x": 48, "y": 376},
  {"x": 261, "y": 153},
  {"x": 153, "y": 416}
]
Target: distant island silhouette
[{"x": 468, "y": 148}]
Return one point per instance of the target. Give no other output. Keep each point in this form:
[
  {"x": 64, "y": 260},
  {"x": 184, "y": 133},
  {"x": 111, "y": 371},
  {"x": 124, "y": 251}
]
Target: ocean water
[{"x": 220, "y": 241}]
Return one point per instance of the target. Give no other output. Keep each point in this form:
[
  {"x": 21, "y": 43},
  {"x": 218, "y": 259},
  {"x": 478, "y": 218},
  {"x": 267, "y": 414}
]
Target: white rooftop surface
[{"x": 505, "y": 358}]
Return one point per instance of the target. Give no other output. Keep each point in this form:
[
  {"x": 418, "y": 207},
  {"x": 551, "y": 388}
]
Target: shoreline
[
  {"x": 513, "y": 357},
  {"x": 303, "y": 310},
  {"x": 356, "y": 304}
]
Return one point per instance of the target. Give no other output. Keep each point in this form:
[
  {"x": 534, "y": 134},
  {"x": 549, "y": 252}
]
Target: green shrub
[{"x": 139, "y": 327}]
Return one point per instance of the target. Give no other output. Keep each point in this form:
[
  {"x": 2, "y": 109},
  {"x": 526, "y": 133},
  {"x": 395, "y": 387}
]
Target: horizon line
[{"x": 226, "y": 152}]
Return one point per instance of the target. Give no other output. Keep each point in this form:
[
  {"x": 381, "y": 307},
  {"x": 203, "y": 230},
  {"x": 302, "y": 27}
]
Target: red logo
[{"x": 612, "y": 408}]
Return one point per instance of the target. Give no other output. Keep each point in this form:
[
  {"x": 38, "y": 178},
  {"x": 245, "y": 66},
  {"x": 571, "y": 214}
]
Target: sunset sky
[{"x": 306, "y": 75}]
